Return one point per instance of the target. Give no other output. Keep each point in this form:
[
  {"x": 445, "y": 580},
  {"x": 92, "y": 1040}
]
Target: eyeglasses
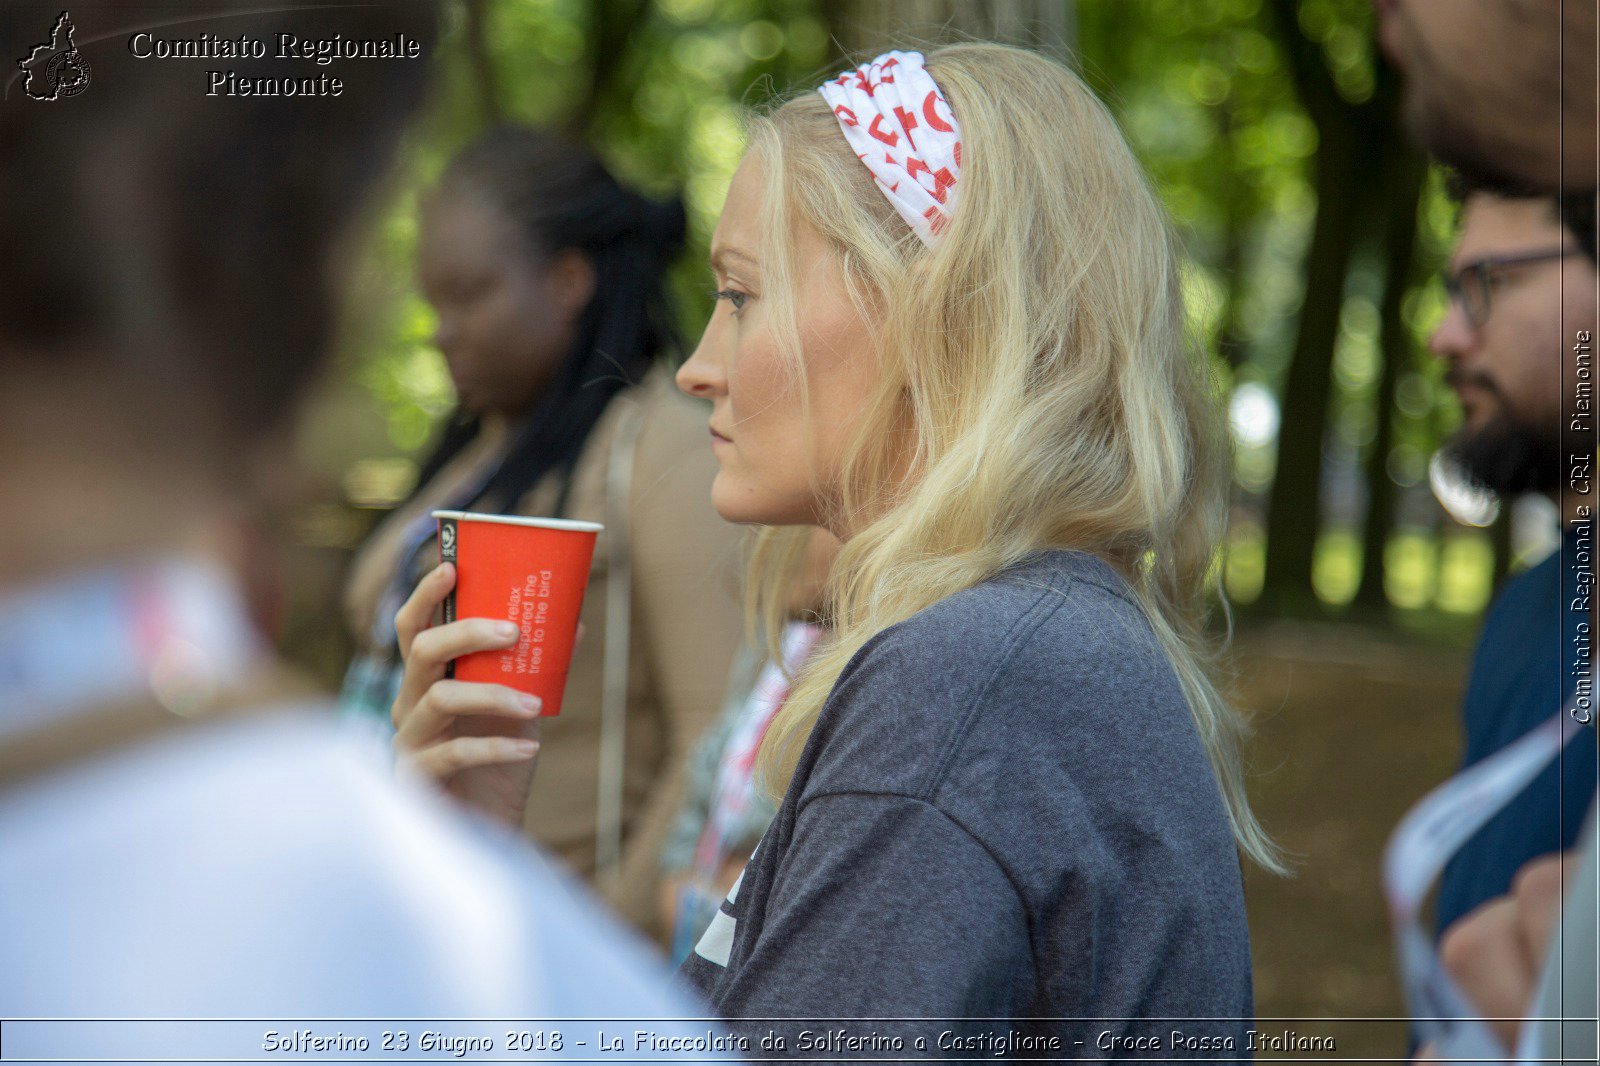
[{"x": 1472, "y": 282}]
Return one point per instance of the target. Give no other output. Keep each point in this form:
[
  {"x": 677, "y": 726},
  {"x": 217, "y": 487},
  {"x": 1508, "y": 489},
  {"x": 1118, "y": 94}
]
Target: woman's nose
[{"x": 701, "y": 376}]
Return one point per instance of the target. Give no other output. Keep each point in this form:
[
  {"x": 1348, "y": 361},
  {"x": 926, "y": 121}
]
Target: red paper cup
[{"x": 531, "y": 571}]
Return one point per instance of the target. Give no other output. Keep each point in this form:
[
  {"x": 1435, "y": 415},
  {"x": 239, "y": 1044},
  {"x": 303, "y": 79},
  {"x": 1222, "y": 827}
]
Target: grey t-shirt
[{"x": 1003, "y": 812}]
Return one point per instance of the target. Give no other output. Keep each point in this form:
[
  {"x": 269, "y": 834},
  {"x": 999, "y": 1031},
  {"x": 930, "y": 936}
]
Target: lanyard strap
[
  {"x": 617, "y": 649},
  {"x": 1432, "y": 832},
  {"x": 372, "y": 679}
]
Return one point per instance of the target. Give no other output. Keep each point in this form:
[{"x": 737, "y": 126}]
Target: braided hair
[{"x": 560, "y": 196}]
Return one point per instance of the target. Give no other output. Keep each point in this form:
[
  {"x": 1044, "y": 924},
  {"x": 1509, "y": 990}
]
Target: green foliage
[
  {"x": 666, "y": 118},
  {"x": 1203, "y": 88},
  {"x": 1205, "y": 93}
]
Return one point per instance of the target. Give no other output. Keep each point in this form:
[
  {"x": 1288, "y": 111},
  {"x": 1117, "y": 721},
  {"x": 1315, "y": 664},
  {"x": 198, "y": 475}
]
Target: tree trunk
[
  {"x": 1294, "y": 509},
  {"x": 1402, "y": 188},
  {"x": 490, "y": 100},
  {"x": 611, "y": 24},
  {"x": 1237, "y": 208},
  {"x": 1348, "y": 138}
]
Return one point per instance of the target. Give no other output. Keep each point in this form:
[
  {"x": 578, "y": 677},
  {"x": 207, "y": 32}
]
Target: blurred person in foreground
[
  {"x": 548, "y": 279},
  {"x": 183, "y": 830},
  {"x": 1515, "y": 957},
  {"x": 1520, "y": 289},
  {"x": 1502, "y": 90}
]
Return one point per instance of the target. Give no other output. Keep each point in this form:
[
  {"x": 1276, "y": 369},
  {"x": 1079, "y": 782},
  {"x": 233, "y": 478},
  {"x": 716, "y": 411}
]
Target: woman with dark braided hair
[{"x": 548, "y": 278}]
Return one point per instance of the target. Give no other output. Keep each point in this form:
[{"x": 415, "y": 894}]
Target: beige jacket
[{"x": 685, "y": 627}]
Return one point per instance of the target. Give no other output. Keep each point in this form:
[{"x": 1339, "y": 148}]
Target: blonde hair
[{"x": 1039, "y": 389}]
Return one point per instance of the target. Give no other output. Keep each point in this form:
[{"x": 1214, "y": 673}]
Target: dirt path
[{"x": 1352, "y": 726}]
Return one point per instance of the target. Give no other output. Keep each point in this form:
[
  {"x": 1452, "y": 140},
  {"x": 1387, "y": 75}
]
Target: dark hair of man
[
  {"x": 560, "y": 196},
  {"x": 189, "y": 245},
  {"x": 1575, "y": 211},
  {"x": 1578, "y": 215}
]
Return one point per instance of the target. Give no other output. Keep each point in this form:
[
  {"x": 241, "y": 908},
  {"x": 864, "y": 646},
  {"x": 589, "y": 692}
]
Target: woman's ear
[{"x": 572, "y": 280}]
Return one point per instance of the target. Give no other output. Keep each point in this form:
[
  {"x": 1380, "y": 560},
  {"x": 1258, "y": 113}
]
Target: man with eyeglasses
[
  {"x": 1504, "y": 91},
  {"x": 1522, "y": 291}
]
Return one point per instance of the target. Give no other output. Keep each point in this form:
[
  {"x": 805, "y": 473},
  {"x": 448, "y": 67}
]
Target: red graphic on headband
[
  {"x": 890, "y": 138},
  {"x": 930, "y": 111},
  {"x": 942, "y": 178},
  {"x": 878, "y": 103}
]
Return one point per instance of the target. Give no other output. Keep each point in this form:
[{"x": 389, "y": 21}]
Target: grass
[{"x": 1424, "y": 573}]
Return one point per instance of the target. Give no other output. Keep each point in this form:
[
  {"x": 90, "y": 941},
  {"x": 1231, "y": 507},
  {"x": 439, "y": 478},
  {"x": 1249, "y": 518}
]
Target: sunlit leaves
[{"x": 1201, "y": 87}]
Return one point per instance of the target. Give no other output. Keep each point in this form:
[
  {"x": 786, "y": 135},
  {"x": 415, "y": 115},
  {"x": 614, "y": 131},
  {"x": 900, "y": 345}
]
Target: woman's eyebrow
[{"x": 722, "y": 256}]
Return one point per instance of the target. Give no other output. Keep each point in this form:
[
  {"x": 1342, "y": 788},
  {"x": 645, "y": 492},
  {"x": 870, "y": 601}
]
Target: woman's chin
[
  {"x": 746, "y": 506},
  {"x": 737, "y": 512}
]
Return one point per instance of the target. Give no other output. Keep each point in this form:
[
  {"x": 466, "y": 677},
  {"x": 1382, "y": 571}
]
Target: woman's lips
[{"x": 718, "y": 438}]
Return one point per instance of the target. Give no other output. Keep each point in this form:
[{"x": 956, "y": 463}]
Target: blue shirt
[{"x": 1522, "y": 672}]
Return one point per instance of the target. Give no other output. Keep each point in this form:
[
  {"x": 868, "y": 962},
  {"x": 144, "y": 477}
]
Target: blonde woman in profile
[{"x": 951, "y": 332}]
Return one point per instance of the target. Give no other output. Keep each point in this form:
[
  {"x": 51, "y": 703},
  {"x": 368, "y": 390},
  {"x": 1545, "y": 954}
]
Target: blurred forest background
[{"x": 1358, "y": 570}]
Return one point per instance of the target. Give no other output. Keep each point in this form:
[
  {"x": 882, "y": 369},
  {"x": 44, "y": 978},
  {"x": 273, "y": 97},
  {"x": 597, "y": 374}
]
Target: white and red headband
[{"x": 901, "y": 126}]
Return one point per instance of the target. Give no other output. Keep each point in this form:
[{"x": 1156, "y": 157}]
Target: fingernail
[
  {"x": 526, "y": 747},
  {"x": 505, "y": 629},
  {"x": 527, "y": 702}
]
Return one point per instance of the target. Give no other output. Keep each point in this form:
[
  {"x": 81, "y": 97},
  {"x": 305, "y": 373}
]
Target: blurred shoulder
[
  {"x": 665, "y": 429},
  {"x": 286, "y": 841}
]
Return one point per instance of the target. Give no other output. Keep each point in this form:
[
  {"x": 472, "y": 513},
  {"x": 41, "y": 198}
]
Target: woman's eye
[{"x": 733, "y": 296}]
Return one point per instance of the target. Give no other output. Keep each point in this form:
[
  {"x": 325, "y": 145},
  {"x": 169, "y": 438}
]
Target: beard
[{"x": 1507, "y": 456}]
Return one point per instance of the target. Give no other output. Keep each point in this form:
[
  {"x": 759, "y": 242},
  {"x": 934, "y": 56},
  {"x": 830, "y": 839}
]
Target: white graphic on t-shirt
[{"x": 717, "y": 942}]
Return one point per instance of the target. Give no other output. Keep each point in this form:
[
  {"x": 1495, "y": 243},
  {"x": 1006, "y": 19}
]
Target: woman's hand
[{"x": 478, "y": 741}]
